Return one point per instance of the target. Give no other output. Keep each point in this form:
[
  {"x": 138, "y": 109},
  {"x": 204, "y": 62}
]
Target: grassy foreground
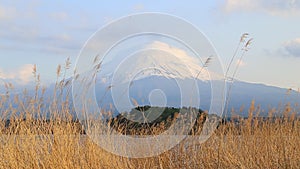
[{"x": 58, "y": 142}]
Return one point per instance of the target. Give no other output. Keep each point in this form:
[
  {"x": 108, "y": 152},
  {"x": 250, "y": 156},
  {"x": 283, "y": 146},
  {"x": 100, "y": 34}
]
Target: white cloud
[
  {"x": 22, "y": 75},
  {"x": 25, "y": 73},
  {"x": 183, "y": 62},
  {"x": 275, "y": 7},
  {"x": 292, "y": 47}
]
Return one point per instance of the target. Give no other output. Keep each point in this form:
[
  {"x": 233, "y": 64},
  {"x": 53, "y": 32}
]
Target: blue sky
[{"x": 45, "y": 33}]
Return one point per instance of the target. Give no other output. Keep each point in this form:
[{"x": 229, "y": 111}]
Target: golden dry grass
[{"x": 57, "y": 143}]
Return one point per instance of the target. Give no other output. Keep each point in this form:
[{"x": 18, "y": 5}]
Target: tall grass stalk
[{"x": 243, "y": 45}]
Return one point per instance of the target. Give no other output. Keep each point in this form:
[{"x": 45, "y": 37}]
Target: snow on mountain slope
[{"x": 154, "y": 58}]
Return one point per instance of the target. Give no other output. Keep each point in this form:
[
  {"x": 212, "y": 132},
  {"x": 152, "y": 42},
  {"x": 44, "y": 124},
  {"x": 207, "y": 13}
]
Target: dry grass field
[{"x": 30, "y": 140}]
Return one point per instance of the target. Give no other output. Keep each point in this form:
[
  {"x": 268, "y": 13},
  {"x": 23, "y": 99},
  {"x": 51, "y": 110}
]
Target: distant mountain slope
[
  {"x": 242, "y": 93},
  {"x": 266, "y": 97}
]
